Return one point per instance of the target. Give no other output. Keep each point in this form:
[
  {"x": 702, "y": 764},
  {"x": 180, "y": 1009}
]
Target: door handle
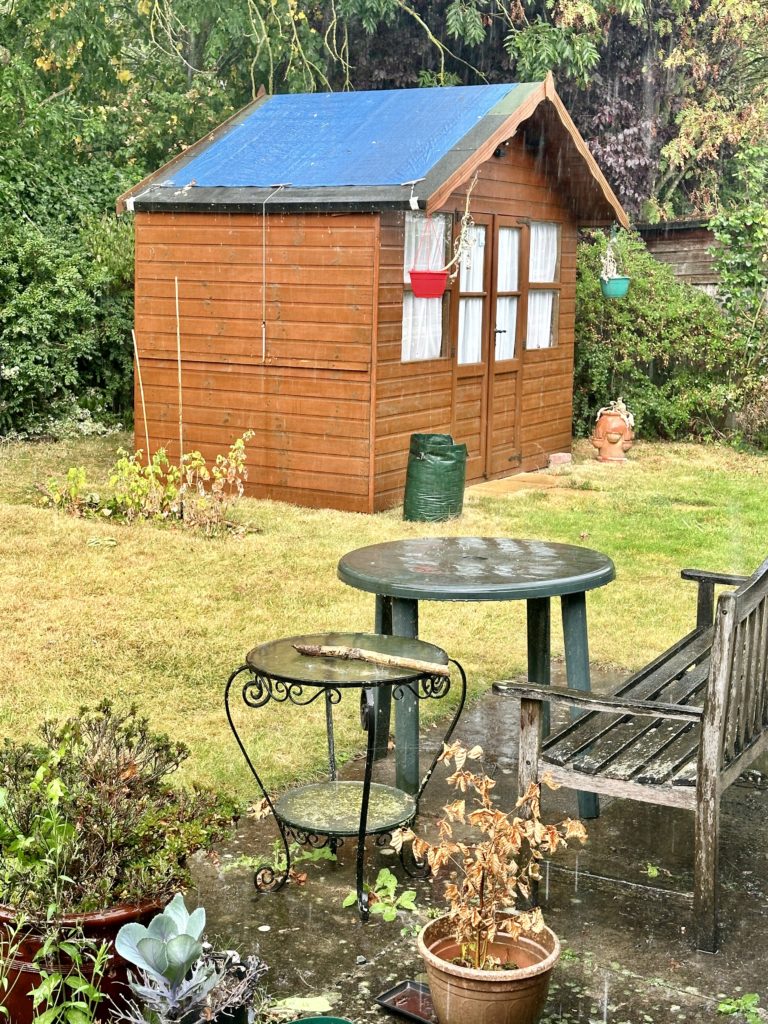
[{"x": 500, "y": 330}]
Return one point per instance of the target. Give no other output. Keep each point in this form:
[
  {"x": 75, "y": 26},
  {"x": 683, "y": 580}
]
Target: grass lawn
[{"x": 162, "y": 617}]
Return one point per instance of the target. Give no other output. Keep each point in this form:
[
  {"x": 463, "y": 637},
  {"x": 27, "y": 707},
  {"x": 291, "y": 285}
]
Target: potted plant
[
  {"x": 182, "y": 978},
  {"x": 487, "y": 959},
  {"x": 92, "y": 836},
  {"x": 613, "y": 284}
]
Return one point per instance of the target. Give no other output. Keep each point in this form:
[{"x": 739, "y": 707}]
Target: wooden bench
[{"x": 676, "y": 733}]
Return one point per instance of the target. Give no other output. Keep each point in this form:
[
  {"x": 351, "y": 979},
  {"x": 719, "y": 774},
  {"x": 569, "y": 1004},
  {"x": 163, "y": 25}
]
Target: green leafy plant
[
  {"x": 492, "y": 875},
  {"x": 666, "y": 347},
  {"x": 383, "y": 897},
  {"x": 89, "y": 819},
  {"x": 69, "y": 993},
  {"x": 180, "y": 977},
  {"x": 747, "y": 1005},
  {"x": 198, "y": 497},
  {"x": 276, "y": 861}
]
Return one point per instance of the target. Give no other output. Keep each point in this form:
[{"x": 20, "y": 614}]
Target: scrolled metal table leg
[
  {"x": 255, "y": 694},
  {"x": 368, "y": 722}
]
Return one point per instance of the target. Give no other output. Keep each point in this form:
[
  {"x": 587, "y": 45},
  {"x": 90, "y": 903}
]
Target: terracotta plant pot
[
  {"x": 23, "y": 973},
  {"x": 462, "y": 995},
  {"x": 428, "y": 284}
]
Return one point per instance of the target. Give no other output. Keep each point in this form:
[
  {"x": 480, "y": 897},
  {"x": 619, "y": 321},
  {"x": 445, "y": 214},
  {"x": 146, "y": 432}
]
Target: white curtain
[
  {"x": 542, "y": 264},
  {"x": 425, "y": 249},
  {"x": 422, "y": 328},
  {"x": 425, "y": 242},
  {"x": 509, "y": 255},
  {"x": 470, "y": 330},
  {"x": 506, "y": 321},
  {"x": 540, "y": 309},
  {"x": 472, "y": 268}
]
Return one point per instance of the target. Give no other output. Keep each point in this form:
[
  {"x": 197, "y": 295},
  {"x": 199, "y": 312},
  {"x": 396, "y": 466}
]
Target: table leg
[
  {"x": 574, "y": 608},
  {"x": 383, "y": 695},
  {"x": 368, "y": 721},
  {"x": 539, "y": 649},
  {"x": 405, "y": 622}
]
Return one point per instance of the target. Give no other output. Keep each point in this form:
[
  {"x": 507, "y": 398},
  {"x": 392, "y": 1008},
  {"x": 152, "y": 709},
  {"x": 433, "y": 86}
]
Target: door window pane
[
  {"x": 472, "y": 269},
  {"x": 426, "y": 240},
  {"x": 509, "y": 254},
  {"x": 470, "y": 330},
  {"x": 422, "y": 328},
  {"x": 541, "y": 308},
  {"x": 506, "y": 326},
  {"x": 545, "y": 243}
]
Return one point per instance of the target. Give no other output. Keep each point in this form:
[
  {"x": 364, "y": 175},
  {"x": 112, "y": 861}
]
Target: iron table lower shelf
[{"x": 333, "y": 808}]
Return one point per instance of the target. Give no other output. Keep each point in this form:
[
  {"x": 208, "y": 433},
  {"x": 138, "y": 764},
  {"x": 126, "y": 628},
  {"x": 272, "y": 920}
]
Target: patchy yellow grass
[{"x": 163, "y": 617}]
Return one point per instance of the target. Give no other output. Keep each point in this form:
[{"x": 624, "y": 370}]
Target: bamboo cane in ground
[{"x": 374, "y": 657}]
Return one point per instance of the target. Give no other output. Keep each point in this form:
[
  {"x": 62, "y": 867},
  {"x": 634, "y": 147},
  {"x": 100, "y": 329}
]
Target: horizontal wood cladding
[
  {"x": 311, "y": 441},
  {"x": 318, "y": 271},
  {"x": 687, "y": 252},
  {"x": 308, "y": 397}
]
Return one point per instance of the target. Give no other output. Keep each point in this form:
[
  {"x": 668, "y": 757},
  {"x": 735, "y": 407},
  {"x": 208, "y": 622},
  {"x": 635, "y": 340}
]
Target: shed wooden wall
[
  {"x": 686, "y": 250},
  {"x": 311, "y": 407},
  {"x": 418, "y": 397}
]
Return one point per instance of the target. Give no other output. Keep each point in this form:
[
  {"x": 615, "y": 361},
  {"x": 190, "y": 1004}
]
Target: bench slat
[
  {"x": 686, "y": 776},
  {"x": 684, "y": 749},
  {"x": 643, "y": 757},
  {"x": 644, "y": 685},
  {"x": 631, "y": 743}
]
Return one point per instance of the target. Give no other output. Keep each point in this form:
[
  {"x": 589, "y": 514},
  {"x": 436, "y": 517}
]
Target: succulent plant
[
  {"x": 181, "y": 978},
  {"x": 169, "y": 956}
]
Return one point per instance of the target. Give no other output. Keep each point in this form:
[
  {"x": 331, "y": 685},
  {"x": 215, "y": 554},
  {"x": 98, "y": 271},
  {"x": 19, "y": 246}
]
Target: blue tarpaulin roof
[{"x": 315, "y": 140}]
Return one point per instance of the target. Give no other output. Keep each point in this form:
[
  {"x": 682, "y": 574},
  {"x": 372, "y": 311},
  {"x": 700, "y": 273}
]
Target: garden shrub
[
  {"x": 667, "y": 348},
  {"x": 741, "y": 259},
  {"x": 65, "y": 319}
]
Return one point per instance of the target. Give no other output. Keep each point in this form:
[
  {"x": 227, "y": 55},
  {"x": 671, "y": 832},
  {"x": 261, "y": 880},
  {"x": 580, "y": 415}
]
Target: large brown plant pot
[
  {"x": 23, "y": 973},
  {"x": 462, "y": 995}
]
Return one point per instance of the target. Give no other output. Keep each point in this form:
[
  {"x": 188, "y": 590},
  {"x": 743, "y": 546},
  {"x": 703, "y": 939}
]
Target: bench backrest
[{"x": 736, "y": 714}]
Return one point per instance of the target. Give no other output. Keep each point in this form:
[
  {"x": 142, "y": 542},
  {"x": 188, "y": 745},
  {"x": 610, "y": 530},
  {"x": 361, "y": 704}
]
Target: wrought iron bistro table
[
  {"x": 403, "y": 572},
  {"x": 326, "y": 813}
]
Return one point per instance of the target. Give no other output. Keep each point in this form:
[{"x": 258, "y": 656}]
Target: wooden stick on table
[{"x": 358, "y": 654}]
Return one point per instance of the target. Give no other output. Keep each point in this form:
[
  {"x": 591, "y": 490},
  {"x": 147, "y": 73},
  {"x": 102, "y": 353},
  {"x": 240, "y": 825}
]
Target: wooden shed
[
  {"x": 288, "y": 234},
  {"x": 686, "y": 245}
]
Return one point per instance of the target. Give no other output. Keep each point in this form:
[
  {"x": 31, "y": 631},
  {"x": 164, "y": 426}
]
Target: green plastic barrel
[{"x": 434, "y": 482}]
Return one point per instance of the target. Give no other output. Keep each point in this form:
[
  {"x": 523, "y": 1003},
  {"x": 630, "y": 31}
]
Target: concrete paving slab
[{"x": 629, "y": 957}]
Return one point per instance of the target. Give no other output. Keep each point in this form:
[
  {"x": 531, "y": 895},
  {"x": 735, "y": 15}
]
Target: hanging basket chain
[{"x": 462, "y": 247}]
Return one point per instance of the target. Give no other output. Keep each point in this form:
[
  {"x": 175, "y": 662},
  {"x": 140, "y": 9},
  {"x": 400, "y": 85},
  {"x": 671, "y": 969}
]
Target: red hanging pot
[{"x": 428, "y": 284}]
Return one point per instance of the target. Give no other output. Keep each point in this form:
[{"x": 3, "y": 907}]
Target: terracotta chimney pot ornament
[{"x": 614, "y": 432}]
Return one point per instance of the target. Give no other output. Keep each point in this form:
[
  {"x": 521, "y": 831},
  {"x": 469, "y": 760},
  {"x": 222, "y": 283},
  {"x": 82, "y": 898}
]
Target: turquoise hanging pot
[{"x": 614, "y": 287}]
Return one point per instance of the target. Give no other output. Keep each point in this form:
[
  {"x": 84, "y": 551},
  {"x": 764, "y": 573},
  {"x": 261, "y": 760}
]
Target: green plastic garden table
[{"x": 403, "y": 572}]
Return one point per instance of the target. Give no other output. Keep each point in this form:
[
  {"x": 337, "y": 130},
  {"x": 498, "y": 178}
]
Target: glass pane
[
  {"x": 472, "y": 270},
  {"x": 422, "y": 328},
  {"x": 470, "y": 330},
  {"x": 545, "y": 242},
  {"x": 540, "y": 309},
  {"x": 426, "y": 241},
  {"x": 509, "y": 256},
  {"x": 506, "y": 322}
]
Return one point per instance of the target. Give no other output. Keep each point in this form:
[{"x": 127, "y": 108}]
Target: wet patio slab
[{"x": 617, "y": 904}]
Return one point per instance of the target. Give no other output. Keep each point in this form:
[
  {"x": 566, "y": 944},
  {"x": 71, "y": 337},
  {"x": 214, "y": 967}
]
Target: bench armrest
[
  {"x": 705, "y": 603},
  {"x": 597, "y": 702},
  {"x": 703, "y": 576}
]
